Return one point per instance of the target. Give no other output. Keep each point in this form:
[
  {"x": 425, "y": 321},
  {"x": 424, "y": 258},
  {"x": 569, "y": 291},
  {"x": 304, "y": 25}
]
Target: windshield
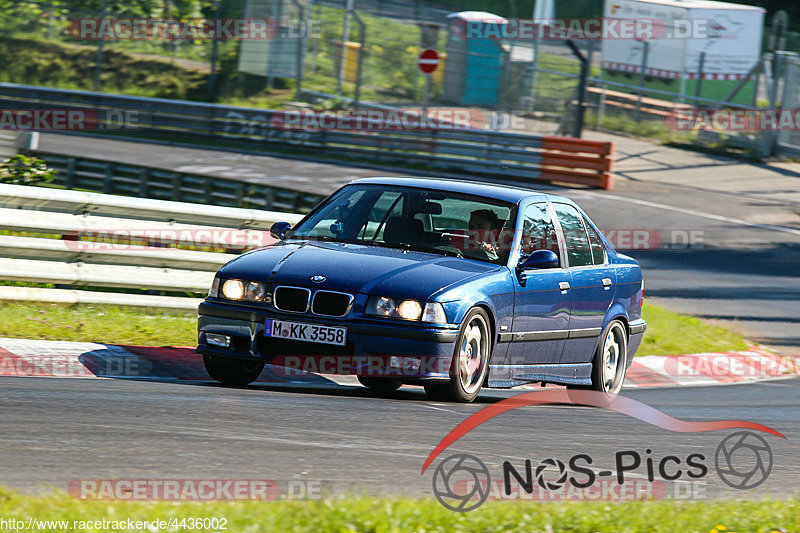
[{"x": 447, "y": 223}]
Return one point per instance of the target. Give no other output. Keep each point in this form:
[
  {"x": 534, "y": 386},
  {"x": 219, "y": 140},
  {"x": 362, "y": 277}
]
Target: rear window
[
  {"x": 579, "y": 253},
  {"x": 598, "y": 250}
]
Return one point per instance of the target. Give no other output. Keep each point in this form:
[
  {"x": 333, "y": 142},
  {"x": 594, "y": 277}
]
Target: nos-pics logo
[{"x": 462, "y": 482}]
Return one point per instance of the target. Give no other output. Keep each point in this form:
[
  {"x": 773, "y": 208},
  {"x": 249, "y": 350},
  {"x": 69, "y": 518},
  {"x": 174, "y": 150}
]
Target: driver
[{"x": 485, "y": 225}]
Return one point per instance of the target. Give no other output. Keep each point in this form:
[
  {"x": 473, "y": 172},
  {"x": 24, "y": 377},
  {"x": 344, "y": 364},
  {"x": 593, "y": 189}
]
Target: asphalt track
[{"x": 56, "y": 430}]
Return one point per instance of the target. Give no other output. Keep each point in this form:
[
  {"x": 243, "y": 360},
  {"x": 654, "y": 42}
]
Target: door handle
[
  {"x": 606, "y": 282},
  {"x": 563, "y": 285}
]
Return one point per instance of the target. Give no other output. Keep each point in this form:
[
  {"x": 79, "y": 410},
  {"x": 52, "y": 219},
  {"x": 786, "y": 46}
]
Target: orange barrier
[{"x": 577, "y": 161}]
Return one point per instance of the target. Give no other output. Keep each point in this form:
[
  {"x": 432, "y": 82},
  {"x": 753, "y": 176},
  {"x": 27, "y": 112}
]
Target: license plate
[{"x": 298, "y": 331}]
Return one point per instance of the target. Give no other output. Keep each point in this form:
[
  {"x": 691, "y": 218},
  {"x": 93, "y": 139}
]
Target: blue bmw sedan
[{"x": 447, "y": 284}]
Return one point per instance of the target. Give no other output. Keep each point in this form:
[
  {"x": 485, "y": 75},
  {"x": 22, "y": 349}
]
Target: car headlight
[
  {"x": 233, "y": 289},
  {"x": 409, "y": 310},
  {"x": 383, "y": 306},
  {"x": 242, "y": 290},
  {"x": 255, "y": 291},
  {"x": 406, "y": 309}
]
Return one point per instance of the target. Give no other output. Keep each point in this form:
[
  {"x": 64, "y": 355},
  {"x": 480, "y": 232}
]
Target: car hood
[{"x": 355, "y": 268}]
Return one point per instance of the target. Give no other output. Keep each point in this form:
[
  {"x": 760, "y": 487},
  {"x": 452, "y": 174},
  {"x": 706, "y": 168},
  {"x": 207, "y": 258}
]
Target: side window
[
  {"x": 538, "y": 232},
  {"x": 578, "y": 251},
  {"x": 598, "y": 250}
]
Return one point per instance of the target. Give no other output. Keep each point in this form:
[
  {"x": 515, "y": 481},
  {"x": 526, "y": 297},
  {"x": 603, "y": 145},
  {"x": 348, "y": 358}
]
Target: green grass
[
  {"x": 98, "y": 323},
  {"x": 36, "y": 61},
  {"x": 378, "y": 515},
  {"x": 667, "y": 333},
  {"x": 647, "y": 128},
  {"x": 670, "y": 333}
]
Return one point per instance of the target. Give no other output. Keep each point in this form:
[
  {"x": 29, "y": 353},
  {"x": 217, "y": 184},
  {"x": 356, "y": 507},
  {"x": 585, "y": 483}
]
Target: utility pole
[
  {"x": 212, "y": 78},
  {"x": 577, "y": 130},
  {"x": 98, "y": 60},
  {"x": 343, "y": 50}
]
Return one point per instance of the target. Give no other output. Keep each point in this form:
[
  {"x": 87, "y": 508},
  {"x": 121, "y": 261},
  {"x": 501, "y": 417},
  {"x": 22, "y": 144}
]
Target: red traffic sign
[{"x": 428, "y": 60}]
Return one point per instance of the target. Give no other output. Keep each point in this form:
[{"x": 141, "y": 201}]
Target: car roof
[{"x": 507, "y": 193}]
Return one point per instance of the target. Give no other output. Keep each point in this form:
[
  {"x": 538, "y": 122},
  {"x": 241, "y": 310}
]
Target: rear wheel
[
  {"x": 610, "y": 361},
  {"x": 231, "y": 372},
  {"x": 470, "y": 361},
  {"x": 380, "y": 385}
]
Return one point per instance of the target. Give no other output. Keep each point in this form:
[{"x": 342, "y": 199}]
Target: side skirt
[{"x": 506, "y": 376}]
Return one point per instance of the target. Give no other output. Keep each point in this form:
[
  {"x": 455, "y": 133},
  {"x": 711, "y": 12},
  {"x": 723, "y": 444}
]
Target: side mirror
[
  {"x": 279, "y": 229},
  {"x": 539, "y": 259}
]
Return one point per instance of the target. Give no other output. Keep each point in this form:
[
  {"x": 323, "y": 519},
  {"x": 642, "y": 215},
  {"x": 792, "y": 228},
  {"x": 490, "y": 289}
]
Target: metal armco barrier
[
  {"x": 101, "y": 240},
  {"x": 470, "y": 152},
  {"x": 148, "y": 182}
]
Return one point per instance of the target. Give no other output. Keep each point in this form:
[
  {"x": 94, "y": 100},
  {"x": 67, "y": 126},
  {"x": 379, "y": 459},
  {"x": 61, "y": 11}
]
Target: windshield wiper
[
  {"x": 421, "y": 248},
  {"x": 314, "y": 238},
  {"x": 380, "y": 244}
]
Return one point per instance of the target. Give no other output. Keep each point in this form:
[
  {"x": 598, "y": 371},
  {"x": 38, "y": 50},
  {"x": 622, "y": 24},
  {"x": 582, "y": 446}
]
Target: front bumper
[{"x": 432, "y": 346}]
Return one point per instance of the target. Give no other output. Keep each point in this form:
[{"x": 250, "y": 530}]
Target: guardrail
[
  {"x": 148, "y": 182},
  {"x": 89, "y": 240},
  {"x": 521, "y": 158}
]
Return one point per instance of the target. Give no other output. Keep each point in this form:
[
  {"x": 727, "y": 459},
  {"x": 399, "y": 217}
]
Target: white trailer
[{"x": 728, "y": 35}]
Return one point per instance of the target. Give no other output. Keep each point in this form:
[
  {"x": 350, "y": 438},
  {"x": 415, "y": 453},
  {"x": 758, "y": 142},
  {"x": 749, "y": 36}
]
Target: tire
[
  {"x": 232, "y": 373},
  {"x": 470, "y": 364},
  {"x": 380, "y": 385},
  {"x": 610, "y": 360}
]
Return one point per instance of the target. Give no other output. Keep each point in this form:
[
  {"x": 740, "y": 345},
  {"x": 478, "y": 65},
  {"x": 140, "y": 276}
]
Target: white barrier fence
[{"x": 79, "y": 240}]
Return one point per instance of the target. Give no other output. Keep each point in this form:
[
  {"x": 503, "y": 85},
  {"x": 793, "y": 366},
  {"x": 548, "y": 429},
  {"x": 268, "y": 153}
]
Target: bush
[{"x": 24, "y": 170}]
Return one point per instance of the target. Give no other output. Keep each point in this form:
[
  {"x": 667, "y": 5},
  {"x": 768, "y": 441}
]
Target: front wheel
[
  {"x": 470, "y": 361},
  {"x": 231, "y": 372}
]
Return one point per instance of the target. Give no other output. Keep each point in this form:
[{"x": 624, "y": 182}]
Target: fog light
[{"x": 223, "y": 341}]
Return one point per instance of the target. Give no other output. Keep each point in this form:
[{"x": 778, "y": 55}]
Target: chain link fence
[
  {"x": 100, "y": 49},
  {"x": 367, "y": 50}
]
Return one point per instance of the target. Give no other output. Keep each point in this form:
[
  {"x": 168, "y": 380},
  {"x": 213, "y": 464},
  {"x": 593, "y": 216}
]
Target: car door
[
  {"x": 541, "y": 305},
  {"x": 591, "y": 281}
]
